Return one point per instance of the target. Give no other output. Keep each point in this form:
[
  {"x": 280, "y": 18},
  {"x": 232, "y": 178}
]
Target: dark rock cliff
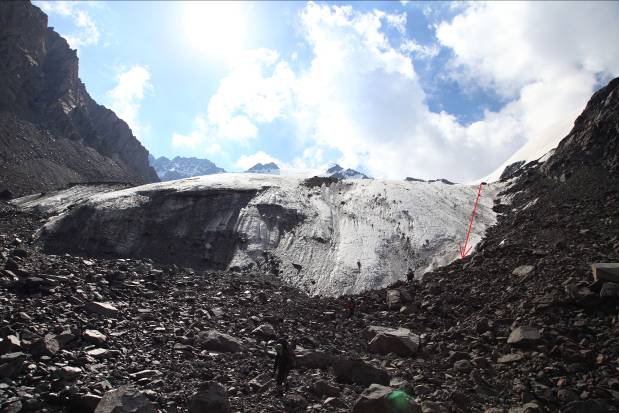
[
  {"x": 594, "y": 140},
  {"x": 52, "y": 132}
]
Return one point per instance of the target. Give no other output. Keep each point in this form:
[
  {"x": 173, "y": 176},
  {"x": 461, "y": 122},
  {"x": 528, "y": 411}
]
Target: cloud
[
  {"x": 247, "y": 161},
  {"x": 126, "y": 97},
  {"x": 360, "y": 95},
  {"x": 545, "y": 59},
  {"x": 258, "y": 90},
  {"x": 86, "y": 32},
  {"x": 418, "y": 50}
]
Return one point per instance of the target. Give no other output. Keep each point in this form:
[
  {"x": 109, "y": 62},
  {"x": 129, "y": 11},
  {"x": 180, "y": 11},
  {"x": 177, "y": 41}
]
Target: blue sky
[{"x": 394, "y": 89}]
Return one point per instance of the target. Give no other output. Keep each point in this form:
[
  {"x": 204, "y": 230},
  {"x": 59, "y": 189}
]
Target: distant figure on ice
[
  {"x": 284, "y": 361},
  {"x": 359, "y": 265},
  {"x": 350, "y": 305},
  {"x": 410, "y": 275}
]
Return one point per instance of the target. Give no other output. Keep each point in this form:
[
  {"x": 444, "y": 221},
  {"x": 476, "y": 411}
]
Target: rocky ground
[{"x": 519, "y": 325}]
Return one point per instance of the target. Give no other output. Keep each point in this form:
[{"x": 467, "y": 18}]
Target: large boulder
[
  {"x": 264, "y": 331},
  {"x": 11, "y": 364},
  {"x": 125, "y": 399},
  {"x": 398, "y": 341},
  {"x": 314, "y": 360},
  {"x": 359, "y": 372},
  {"x": 47, "y": 346},
  {"x": 394, "y": 299},
  {"x": 216, "y": 341},
  {"x": 606, "y": 271},
  {"x": 94, "y": 337},
  {"x": 383, "y": 399},
  {"x": 371, "y": 331},
  {"x": 211, "y": 397},
  {"x": 101, "y": 308},
  {"x": 524, "y": 335},
  {"x": 610, "y": 290}
]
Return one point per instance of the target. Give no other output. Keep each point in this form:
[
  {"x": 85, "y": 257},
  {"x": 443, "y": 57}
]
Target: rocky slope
[
  {"x": 180, "y": 167},
  {"x": 52, "y": 132}
]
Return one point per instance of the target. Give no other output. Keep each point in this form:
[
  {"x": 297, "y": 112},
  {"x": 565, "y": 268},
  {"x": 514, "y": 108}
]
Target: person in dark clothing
[
  {"x": 284, "y": 361},
  {"x": 410, "y": 276},
  {"x": 350, "y": 305}
]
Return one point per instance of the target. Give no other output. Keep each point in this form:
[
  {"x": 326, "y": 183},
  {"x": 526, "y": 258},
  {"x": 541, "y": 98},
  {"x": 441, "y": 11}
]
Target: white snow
[
  {"x": 354, "y": 235},
  {"x": 538, "y": 148}
]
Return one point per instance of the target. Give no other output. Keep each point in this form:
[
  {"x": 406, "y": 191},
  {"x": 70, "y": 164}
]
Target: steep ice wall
[{"x": 347, "y": 237}]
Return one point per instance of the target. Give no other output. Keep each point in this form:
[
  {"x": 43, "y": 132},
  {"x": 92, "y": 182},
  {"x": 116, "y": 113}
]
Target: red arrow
[{"x": 463, "y": 249}]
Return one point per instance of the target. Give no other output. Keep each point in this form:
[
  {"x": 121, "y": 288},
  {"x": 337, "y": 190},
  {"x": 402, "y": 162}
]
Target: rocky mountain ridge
[
  {"x": 270, "y": 168},
  {"x": 52, "y": 132},
  {"x": 336, "y": 171},
  {"x": 182, "y": 167}
]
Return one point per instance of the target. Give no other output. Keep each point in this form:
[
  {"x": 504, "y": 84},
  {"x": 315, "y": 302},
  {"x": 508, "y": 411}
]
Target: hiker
[
  {"x": 410, "y": 275},
  {"x": 284, "y": 361},
  {"x": 350, "y": 305}
]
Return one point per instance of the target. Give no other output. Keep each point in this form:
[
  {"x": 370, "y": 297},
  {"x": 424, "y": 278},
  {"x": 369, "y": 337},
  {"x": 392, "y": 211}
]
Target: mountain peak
[
  {"x": 267, "y": 168},
  {"x": 180, "y": 167}
]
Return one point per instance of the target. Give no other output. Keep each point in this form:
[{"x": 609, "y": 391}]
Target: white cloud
[
  {"x": 247, "y": 161},
  {"x": 258, "y": 90},
  {"x": 86, "y": 33},
  {"x": 544, "y": 58},
  {"x": 126, "y": 97},
  {"x": 418, "y": 50},
  {"x": 361, "y": 96}
]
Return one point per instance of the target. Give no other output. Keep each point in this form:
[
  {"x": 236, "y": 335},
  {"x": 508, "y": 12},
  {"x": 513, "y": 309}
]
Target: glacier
[{"x": 345, "y": 237}]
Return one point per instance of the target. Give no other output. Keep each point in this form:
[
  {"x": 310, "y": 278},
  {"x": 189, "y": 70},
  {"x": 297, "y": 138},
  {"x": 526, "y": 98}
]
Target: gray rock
[
  {"x": 609, "y": 290},
  {"x": 510, "y": 358},
  {"x": 530, "y": 407},
  {"x": 433, "y": 407},
  {"x": 394, "y": 299},
  {"x": 10, "y": 343},
  {"x": 314, "y": 360},
  {"x": 371, "y": 331},
  {"x": 334, "y": 403},
  {"x": 68, "y": 373},
  {"x": 523, "y": 270},
  {"x": 216, "y": 341},
  {"x": 359, "y": 372},
  {"x": 211, "y": 397},
  {"x": 125, "y": 399},
  {"x": 47, "y": 346},
  {"x": 605, "y": 271},
  {"x": 146, "y": 374},
  {"x": 11, "y": 364},
  {"x": 98, "y": 353},
  {"x": 377, "y": 398},
  {"x": 589, "y": 406},
  {"x": 323, "y": 388},
  {"x": 399, "y": 341},
  {"x": 260, "y": 383},
  {"x": 265, "y": 331},
  {"x": 83, "y": 402},
  {"x": 104, "y": 309},
  {"x": 463, "y": 365},
  {"x": 524, "y": 335},
  {"x": 94, "y": 337}
]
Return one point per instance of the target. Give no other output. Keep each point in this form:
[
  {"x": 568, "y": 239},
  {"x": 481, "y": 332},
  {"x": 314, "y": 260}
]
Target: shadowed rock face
[
  {"x": 52, "y": 132},
  {"x": 194, "y": 229},
  {"x": 594, "y": 140}
]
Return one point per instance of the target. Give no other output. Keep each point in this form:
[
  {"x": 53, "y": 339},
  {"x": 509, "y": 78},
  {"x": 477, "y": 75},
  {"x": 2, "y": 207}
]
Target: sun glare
[{"x": 216, "y": 29}]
